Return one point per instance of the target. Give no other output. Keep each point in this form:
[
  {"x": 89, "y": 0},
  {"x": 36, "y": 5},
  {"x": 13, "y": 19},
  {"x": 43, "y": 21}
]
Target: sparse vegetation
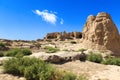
[
  {"x": 8, "y": 44},
  {"x": 17, "y": 52},
  {"x": 64, "y": 75},
  {"x": 112, "y": 61},
  {"x": 82, "y": 77},
  {"x": 2, "y": 44},
  {"x": 38, "y": 45},
  {"x": 95, "y": 57},
  {"x": 73, "y": 42},
  {"x": 3, "y": 47},
  {"x": 65, "y": 50},
  {"x": 1, "y": 54},
  {"x": 48, "y": 40},
  {"x": 31, "y": 68},
  {"x": 67, "y": 76},
  {"x": 82, "y": 50},
  {"x": 36, "y": 69},
  {"x": 49, "y": 49}
]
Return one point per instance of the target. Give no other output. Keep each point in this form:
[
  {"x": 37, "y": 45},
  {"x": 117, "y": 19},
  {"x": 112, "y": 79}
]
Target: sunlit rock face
[{"x": 101, "y": 33}]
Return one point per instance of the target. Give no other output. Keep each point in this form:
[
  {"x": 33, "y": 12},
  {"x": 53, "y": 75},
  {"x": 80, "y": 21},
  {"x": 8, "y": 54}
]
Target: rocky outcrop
[
  {"x": 101, "y": 33},
  {"x": 63, "y": 35},
  {"x": 54, "y": 59},
  {"x": 54, "y": 35},
  {"x": 60, "y": 57}
]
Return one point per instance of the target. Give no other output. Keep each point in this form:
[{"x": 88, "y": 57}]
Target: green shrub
[
  {"x": 112, "y": 61},
  {"x": 12, "y": 52},
  {"x": 49, "y": 49},
  {"x": 63, "y": 75},
  {"x": 11, "y": 66},
  {"x": 81, "y": 77},
  {"x": 3, "y": 47},
  {"x": 73, "y": 42},
  {"x": 18, "y": 52},
  {"x": 39, "y": 71},
  {"x": 69, "y": 76},
  {"x": 2, "y": 44},
  {"x": 26, "y": 51},
  {"x": 65, "y": 50},
  {"x": 16, "y": 66},
  {"x": 94, "y": 57},
  {"x": 31, "y": 73},
  {"x": 31, "y": 68},
  {"x": 82, "y": 50},
  {"x": 35, "y": 69},
  {"x": 1, "y": 54}
]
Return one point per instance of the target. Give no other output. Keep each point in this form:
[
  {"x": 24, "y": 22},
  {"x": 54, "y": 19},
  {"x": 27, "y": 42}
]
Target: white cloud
[
  {"x": 47, "y": 16},
  {"x": 62, "y": 21}
]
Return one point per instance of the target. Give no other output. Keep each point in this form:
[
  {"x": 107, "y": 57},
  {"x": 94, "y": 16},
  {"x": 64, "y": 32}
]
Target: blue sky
[{"x": 33, "y": 19}]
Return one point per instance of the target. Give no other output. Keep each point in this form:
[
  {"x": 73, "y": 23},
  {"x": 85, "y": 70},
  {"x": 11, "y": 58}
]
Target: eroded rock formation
[
  {"x": 101, "y": 33},
  {"x": 60, "y": 57},
  {"x": 63, "y": 35}
]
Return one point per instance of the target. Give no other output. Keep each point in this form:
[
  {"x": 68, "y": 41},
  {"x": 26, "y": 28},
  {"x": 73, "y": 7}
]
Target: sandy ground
[{"x": 92, "y": 70}]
